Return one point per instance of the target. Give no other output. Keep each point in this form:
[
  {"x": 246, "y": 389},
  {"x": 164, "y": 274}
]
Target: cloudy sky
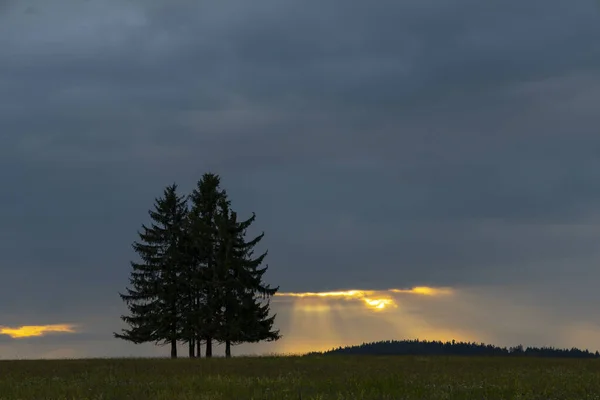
[{"x": 383, "y": 144}]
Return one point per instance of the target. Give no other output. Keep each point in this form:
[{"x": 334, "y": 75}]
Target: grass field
[{"x": 335, "y": 377}]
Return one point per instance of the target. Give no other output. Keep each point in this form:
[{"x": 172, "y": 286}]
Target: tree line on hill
[
  {"x": 197, "y": 279},
  {"x": 426, "y": 348}
]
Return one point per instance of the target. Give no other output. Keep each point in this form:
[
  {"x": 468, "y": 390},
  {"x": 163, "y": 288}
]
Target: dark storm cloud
[{"x": 381, "y": 144}]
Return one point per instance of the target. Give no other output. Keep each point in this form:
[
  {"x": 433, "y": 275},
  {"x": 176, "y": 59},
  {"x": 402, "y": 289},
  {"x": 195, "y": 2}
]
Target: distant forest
[{"x": 427, "y": 348}]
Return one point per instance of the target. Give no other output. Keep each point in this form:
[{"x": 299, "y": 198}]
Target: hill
[{"x": 427, "y": 348}]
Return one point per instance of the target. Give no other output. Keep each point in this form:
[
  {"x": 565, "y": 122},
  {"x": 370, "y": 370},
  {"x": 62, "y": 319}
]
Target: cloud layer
[{"x": 395, "y": 144}]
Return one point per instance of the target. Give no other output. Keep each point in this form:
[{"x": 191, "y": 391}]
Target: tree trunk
[
  {"x": 208, "y": 347},
  {"x": 197, "y": 337},
  {"x": 228, "y": 348},
  {"x": 173, "y": 348},
  {"x": 191, "y": 348}
]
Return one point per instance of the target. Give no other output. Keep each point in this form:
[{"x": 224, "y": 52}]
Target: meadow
[{"x": 312, "y": 377}]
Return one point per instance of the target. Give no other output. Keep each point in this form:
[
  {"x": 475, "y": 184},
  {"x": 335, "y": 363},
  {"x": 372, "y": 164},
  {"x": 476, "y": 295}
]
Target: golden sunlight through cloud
[
  {"x": 375, "y": 300},
  {"x": 323, "y": 320},
  {"x": 372, "y": 299},
  {"x": 35, "y": 330},
  {"x": 424, "y": 290}
]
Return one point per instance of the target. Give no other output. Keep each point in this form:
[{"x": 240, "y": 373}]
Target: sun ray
[
  {"x": 312, "y": 324},
  {"x": 323, "y": 320}
]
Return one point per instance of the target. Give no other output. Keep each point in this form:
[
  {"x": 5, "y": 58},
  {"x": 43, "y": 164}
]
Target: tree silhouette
[{"x": 154, "y": 296}]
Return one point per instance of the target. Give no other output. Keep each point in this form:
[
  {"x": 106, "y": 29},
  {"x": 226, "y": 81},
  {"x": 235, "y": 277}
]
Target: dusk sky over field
[{"x": 449, "y": 145}]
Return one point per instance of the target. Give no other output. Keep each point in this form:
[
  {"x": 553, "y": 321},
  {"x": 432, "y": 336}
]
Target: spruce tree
[
  {"x": 154, "y": 298},
  {"x": 188, "y": 295},
  {"x": 244, "y": 311},
  {"x": 203, "y": 313}
]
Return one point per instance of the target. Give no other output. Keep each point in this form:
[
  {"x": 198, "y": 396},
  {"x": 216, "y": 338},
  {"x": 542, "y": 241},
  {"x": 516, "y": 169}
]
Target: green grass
[{"x": 334, "y": 377}]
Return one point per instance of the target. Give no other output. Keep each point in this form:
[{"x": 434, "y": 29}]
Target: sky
[{"x": 445, "y": 145}]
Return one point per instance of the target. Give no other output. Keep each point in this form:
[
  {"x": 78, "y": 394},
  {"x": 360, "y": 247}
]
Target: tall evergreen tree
[
  {"x": 198, "y": 280},
  {"x": 244, "y": 311},
  {"x": 188, "y": 295},
  {"x": 154, "y": 298},
  {"x": 203, "y": 281}
]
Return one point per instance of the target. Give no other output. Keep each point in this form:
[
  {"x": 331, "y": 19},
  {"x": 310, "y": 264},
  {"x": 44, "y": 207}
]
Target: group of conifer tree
[{"x": 198, "y": 280}]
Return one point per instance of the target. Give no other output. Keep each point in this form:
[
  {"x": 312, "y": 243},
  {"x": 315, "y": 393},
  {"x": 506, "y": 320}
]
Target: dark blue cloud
[{"x": 395, "y": 144}]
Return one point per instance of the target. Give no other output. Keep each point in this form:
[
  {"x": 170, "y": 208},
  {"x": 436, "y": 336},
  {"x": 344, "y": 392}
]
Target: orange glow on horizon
[{"x": 35, "y": 330}]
